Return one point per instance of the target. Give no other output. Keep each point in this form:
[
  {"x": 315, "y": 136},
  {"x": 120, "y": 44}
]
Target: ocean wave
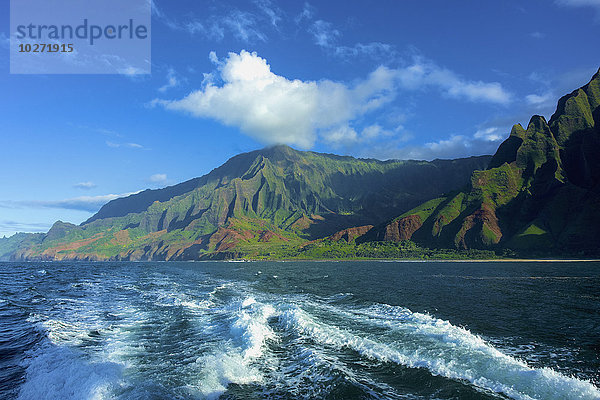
[
  {"x": 233, "y": 360},
  {"x": 57, "y": 372},
  {"x": 422, "y": 341}
]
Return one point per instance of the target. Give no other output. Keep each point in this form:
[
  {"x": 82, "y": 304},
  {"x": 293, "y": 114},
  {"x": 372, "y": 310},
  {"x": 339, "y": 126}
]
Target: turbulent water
[{"x": 346, "y": 330}]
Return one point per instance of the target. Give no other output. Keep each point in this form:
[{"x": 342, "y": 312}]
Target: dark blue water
[{"x": 332, "y": 330}]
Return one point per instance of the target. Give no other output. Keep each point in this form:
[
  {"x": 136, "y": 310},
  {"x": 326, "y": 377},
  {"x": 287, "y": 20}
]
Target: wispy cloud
[
  {"x": 537, "y": 35},
  {"x": 108, "y": 132},
  {"x": 490, "y": 134},
  {"x": 126, "y": 145},
  {"x": 158, "y": 178},
  {"x": 324, "y": 33},
  {"x": 274, "y": 13},
  {"x": 327, "y": 37},
  {"x": 578, "y": 3},
  {"x": 307, "y": 14},
  {"x": 172, "y": 81},
  {"x": 132, "y": 71},
  {"x": 18, "y": 226},
  {"x": 85, "y": 185},
  {"x": 423, "y": 74},
  {"x": 346, "y": 136},
  {"x": 483, "y": 141},
  {"x": 246, "y": 26},
  {"x": 83, "y": 203},
  {"x": 593, "y": 4},
  {"x": 541, "y": 101},
  {"x": 551, "y": 86}
]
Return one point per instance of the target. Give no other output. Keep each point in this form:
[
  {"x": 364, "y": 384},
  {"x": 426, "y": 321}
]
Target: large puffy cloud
[{"x": 274, "y": 109}]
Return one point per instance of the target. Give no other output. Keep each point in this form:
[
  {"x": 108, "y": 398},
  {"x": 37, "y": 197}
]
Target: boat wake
[{"x": 215, "y": 337}]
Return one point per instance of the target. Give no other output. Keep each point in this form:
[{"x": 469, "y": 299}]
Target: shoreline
[{"x": 244, "y": 260}]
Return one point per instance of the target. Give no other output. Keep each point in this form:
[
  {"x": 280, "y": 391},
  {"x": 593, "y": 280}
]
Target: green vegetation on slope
[
  {"x": 541, "y": 191},
  {"x": 272, "y": 197}
]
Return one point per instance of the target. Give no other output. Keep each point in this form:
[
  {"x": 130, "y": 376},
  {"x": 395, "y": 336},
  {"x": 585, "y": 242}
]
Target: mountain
[
  {"x": 272, "y": 198},
  {"x": 540, "y": 192}
]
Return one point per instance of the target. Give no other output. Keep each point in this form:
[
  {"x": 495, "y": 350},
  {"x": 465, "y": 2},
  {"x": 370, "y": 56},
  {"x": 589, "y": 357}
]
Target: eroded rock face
[
  {"x": 402, "y": 229},
  {"x": 540, "y": 191},
  {"x": 351, "y": 234},
  {"x": 270, "y": 194}
]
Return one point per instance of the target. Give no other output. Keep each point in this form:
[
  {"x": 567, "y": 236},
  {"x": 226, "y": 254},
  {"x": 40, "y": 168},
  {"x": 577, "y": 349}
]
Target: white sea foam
[
  {"x": 233, "y": 360},
  {"x": 443, "y": 349},
  {"x": 59, "y": 373},
  {"x": 251, "y": 327}
]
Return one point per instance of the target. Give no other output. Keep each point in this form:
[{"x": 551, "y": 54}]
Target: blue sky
[{"x": 385, "y": 79}]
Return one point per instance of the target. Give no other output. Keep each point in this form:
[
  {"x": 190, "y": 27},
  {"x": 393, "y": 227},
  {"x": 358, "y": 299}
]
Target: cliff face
[
  {"x": 271, "y": 197},
  {"x": 540, "y": 191}
]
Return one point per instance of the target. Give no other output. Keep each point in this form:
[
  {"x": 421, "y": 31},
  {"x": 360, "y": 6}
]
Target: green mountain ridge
[
  {"x": 275, "y": 198},
  {"x": 540, "y": 193}
]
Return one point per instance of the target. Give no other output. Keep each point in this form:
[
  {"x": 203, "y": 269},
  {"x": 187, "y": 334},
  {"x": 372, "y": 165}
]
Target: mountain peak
[
  {"x": 539, "y": 191},
  {"x": 279, "y": 149},
  {"x": 537, "y": 123},
  {"x": 518, "y": 131},
  {"x": 280, "y": 152}
]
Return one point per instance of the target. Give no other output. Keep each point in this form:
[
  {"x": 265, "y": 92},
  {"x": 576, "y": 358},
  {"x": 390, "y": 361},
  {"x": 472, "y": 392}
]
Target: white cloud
[
  {"x": 18, "y": 226},
  {"x": 374, "y": 131},
  {"x": 483, "y": 141},
  {"x": 537, "y": 35},
  {"x": 172, "y": 81},
  {"x": 541, "y": 100},
  {"x": 346, "y": 136},
  {"x": 579, "y": 3},
  {"x": 83, "y": 203},
  {"x": 327, "y": 37},
  {"x": 324, "y": 34},
  {"x": 131, "y": 71},
  {"x": 158, "y": 178},
  {"x": 129, "y": 145},
  {"x": 212, "y": 56},
  {"x": 372, "y": 49},
  {"x": 270, "y": 10},
  {"x": 426, "y": 74},
  {"x": 242, "y": 25},
  {"x": 85, "y": 185},
  {"x": 307, "y": 13},
  {"x": 491, "y": 134},
  {"x": 274, "y": 109},
  {"x": 552, "y": 86},
  {"x": 341, "y": 135},
  {"x": 589, "y": 4}
]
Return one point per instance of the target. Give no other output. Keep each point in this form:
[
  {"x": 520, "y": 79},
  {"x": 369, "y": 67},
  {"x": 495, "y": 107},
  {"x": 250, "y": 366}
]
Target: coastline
[{"x": 244, "y": 260}]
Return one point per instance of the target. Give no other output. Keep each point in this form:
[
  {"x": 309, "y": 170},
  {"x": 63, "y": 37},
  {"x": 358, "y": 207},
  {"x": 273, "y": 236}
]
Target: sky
[{"x": 383, "y": 79}]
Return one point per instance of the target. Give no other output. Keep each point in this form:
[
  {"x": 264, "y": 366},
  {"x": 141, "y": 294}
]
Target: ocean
[{"x": 300, "y": 330}]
